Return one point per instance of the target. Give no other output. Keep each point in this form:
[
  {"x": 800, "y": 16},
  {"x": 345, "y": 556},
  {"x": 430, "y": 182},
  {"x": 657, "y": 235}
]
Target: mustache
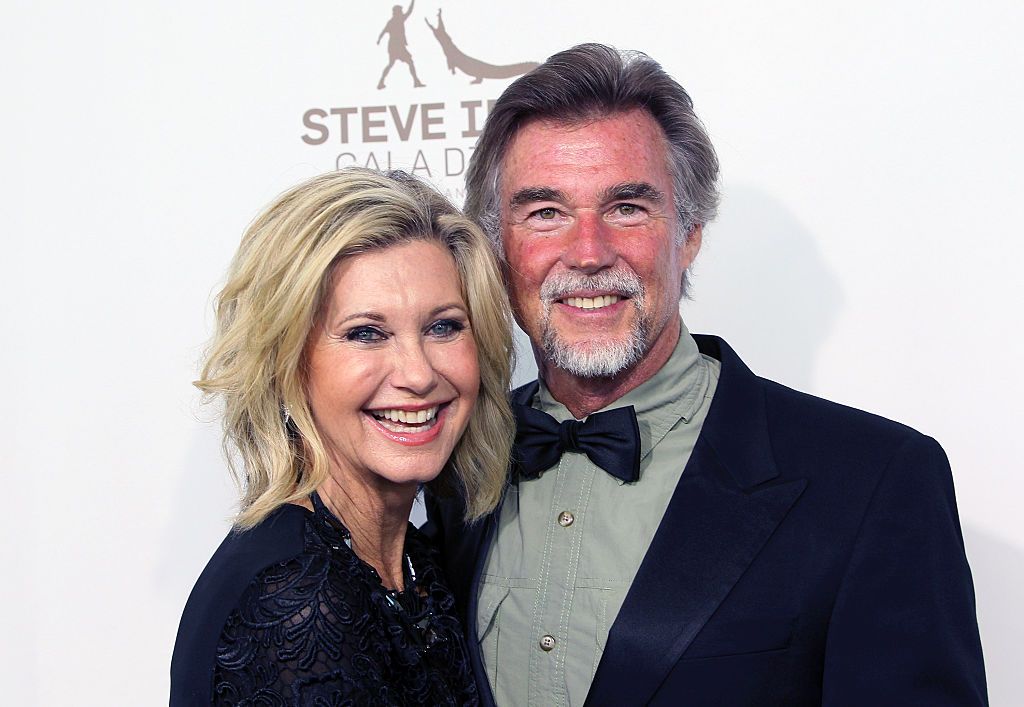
[{"x": 621, "y": 281}]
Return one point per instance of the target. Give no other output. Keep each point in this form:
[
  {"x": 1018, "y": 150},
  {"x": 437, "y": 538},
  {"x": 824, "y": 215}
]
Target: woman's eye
[
  {"x": 366, "y": 335},
  {"x": 445, "y": 328}
]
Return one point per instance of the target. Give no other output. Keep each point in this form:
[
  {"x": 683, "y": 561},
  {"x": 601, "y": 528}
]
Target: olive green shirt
[{"x": 570, "y": 542}]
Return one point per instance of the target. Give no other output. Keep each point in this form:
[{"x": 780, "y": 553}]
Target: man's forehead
[
  {"x": 578, "y": 122},
  {"x": 619, "y": 155},
  {"x": 542, "y": 123}
]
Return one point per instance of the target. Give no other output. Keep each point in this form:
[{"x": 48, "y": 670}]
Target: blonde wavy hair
[{"x": 276, "y": 286}]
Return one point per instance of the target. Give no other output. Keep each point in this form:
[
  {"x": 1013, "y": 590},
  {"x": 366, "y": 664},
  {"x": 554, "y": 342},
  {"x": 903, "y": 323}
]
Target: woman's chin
[{"x": 409, "y": 474}]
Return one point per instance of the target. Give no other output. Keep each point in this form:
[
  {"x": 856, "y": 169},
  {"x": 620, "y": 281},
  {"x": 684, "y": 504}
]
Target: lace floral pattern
[{"x": 319, "y": 629}]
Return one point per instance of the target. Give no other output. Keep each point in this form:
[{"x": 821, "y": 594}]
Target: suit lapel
[
  {"x": 720, "y": 516},
  {"x": 468, "y": 558},
  {"x": 707, "y": 539},
  {"x": 483, "y": 544},
  {"x": 465, "y": 550},
  {"x": 475, "y": 540}
]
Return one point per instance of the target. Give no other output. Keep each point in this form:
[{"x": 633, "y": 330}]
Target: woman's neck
[{"x": 376, "y": 518}]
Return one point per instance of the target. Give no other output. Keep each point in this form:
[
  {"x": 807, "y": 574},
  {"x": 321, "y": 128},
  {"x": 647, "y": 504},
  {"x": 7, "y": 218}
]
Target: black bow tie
[{"x": 611, "y": 439}]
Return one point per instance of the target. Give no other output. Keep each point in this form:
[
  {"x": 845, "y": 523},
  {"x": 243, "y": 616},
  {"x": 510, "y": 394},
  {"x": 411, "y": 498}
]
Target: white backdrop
[{"x": 867, "y": 251}]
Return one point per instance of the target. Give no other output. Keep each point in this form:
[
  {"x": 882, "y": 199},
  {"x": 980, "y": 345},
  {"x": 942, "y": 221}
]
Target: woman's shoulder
[
  {"x": 245, "y": 553},
  {"x": 240, "y": 559}
]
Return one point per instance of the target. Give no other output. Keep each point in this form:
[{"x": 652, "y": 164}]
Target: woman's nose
[{"x": 413, "y": 369}]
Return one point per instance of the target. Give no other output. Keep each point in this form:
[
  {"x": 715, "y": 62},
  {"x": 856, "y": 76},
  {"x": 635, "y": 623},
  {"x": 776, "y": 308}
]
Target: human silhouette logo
[{"x": 398, "y": 50}]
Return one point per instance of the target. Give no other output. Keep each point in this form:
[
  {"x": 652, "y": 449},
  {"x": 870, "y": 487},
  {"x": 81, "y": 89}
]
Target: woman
[{"x": 362, "y": 351}]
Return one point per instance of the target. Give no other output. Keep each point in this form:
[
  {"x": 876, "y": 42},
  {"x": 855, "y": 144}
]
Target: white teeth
[
  {"x": 414, "y": 417},
  {"x": 591, "y": 302}
]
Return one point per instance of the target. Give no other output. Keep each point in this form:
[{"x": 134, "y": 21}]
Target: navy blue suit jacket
[{"x": 810, "y": 555}]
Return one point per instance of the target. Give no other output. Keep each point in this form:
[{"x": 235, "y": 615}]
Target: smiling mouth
[
  {"x": 597, "y": 302},
  {"x": 407, "y": 421}
]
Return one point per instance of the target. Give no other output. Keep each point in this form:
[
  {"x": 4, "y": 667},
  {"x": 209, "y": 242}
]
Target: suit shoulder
[
  {"x": 824, "y": 429},
  {"x": 235, "y": 564},
  {"x": 830, "y": 415}
]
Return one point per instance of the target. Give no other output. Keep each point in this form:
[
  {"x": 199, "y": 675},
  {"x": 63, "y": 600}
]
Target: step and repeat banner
[{"x": 867, "y": 251}]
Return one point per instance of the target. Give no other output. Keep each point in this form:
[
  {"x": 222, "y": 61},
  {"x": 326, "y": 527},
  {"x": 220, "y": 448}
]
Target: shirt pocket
[
  {"x": 488, "y": 627},
  {"x": 600, "y": 600},
  {"x": 590, "y": 627}
]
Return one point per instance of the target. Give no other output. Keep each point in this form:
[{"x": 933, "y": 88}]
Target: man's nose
[
  {"x": 413, "y": 369},
  {"x": 590, "y": 247}
]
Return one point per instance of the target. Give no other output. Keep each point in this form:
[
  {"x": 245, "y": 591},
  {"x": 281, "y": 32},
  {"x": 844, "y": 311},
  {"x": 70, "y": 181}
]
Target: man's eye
[
  {"x": 445, "y": 328},
  {"x": 547, "y": 214},
  {"x": 628, "y": 214},
  {"x": 366, "y": 335}
]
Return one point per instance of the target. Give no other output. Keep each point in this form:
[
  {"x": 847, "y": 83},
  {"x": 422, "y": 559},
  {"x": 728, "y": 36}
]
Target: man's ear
[{"x": 688, "y": 251}]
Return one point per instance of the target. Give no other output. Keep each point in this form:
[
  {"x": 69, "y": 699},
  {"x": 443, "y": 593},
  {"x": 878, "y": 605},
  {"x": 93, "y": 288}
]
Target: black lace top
[{"x": 286, "y": 614}]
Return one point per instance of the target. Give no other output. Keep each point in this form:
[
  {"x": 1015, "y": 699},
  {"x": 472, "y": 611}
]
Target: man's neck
[{"x": 583, "y": 396}]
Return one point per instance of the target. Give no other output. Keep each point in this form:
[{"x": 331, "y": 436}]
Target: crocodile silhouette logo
[{"x": 479, "y": 70}]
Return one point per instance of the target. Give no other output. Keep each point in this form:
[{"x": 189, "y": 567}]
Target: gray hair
[{"x": 584, "y": 83}]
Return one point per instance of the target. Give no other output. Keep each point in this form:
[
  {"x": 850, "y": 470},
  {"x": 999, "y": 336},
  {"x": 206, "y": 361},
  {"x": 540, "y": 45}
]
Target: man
[{"x": 757, "y": 546}]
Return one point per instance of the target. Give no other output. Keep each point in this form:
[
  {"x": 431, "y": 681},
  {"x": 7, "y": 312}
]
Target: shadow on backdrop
[
  {"x": 998, "y": 569},
  {"x": 761, "y": 283}
]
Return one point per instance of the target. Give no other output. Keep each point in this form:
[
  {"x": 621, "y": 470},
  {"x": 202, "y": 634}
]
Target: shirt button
[
  {"x": 547, "y": 642},
  {"x": 565, "y": 519}
]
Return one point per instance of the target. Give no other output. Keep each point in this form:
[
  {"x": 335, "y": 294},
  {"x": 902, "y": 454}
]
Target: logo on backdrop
[
  {"x": 479, "y": 70},
  {"x": 406, "y": 136},
  {"x": 397, "y": 48}
]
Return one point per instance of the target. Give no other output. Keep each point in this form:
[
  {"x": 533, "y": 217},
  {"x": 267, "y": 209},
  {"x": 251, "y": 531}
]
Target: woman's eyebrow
[
  {"x": 374, "y": 316},
  {"x": 378, "y": 317},
  {"x": 446, "y": 307}
]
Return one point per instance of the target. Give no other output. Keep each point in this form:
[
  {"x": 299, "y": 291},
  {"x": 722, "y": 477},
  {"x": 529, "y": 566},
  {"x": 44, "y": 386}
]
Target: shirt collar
[{"x": 671, "y": 395}]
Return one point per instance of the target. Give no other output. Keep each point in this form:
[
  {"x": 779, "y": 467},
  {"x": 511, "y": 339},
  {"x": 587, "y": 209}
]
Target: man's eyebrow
[
  {"x": 632, "y": 190},
  {"x": 530, "y": 195}
]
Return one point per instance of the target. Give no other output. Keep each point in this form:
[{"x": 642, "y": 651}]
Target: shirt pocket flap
[{"x": 491, "y": 597}]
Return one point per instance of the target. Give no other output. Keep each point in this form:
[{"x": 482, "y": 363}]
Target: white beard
[{"x": 595, "y": 359}]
